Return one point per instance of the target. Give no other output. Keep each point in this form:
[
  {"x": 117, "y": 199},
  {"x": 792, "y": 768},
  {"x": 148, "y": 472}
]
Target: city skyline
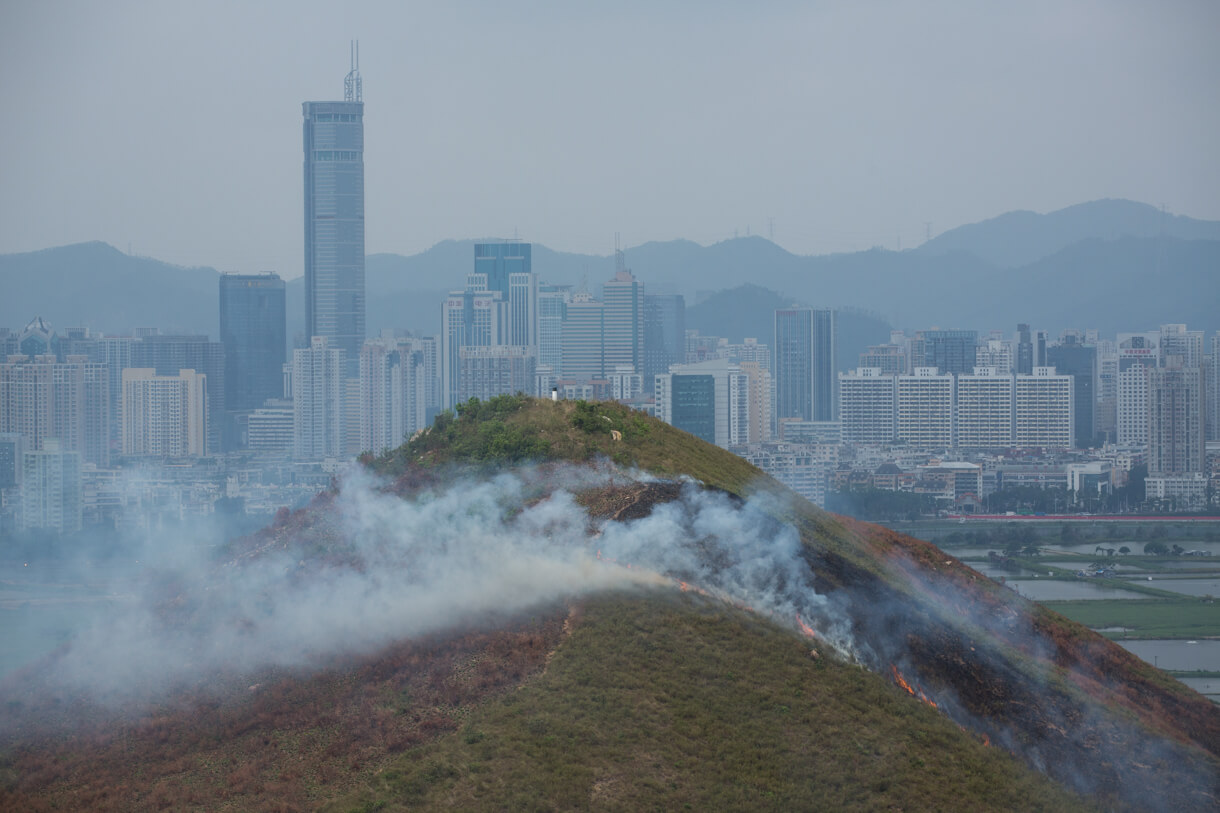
[{"x": 724, "y": 130}]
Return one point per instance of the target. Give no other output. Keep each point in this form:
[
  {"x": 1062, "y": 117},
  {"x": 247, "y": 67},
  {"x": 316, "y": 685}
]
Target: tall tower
[
  {"x": 252, "y": 330},
  {"x": 334, "y": 220}
]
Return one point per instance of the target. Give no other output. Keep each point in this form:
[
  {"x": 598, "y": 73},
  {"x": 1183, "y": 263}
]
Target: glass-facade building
[
  {"x": 334, "y": 227},
  {"x": 252, "y": 330}
]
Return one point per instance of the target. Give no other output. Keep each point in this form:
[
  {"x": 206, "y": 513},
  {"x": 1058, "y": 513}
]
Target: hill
[
  {"x": 1021, "y": 238},
  {"x": 1086, "y": 266},
  {"x": 561, "y": 605}
]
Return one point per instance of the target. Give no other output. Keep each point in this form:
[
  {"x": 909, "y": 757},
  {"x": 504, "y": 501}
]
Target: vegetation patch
[{"x": 676, "y": 703}]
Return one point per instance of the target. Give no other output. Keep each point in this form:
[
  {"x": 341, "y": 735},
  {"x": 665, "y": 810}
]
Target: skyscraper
[
  {"x": 334, "y": 221},
  {"x": 950, "y": 351},
  {"x": 252, "y": 330},
  {"x": 664, "y": 335},
  {"x": 1072, "y": 356},
  {"x": 805, "y": 369},
  {"x": 318, "y": 402}
]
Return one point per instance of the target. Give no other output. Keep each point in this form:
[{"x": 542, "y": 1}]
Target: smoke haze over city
[{"x": 164, "y": 128}]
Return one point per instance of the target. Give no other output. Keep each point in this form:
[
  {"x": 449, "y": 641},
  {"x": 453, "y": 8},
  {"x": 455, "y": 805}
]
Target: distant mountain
[
  {"x": 748, "y": 311},
  {"x": 96, "y": 285},
  {"x": 1021, "y": 238},
  {"x": 1109, "y": 265}
]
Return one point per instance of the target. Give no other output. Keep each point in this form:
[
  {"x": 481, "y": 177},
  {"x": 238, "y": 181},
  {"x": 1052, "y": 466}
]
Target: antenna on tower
[{"x": 353, "y": 87}]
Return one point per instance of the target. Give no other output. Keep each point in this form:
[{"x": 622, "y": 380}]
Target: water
[
  {"x": 1209, "y": 687},
  {"x": 1057, "y": 590},
  {"x": 1184, "y": 655},
  {"x": 1188, "y": 587}
]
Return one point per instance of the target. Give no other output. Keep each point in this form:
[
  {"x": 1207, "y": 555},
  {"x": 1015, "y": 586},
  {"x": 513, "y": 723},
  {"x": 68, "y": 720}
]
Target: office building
[
  {"x": 252, "y": 331},
  {"x": 1176, "y": 340},
  {"x": 759, "y": 429},
  {"x": 269, "y": 428},
  {"x": 949, "y": 351},
  {"x": 623, "y": 322},
  {"x": 710, "y": 400},
  {"x": 1024, "y": 363},
  {"x": 334, "y": 222},
  {"x": 469, "y": 318},
  {"x": 664, "y": 335},
  {"x": 804, "y": 368},
  {"x": 164, "y": 416},
  {"x": 1074, "y": 357},
  {"x": 51, "y": 488},
  {"x": 318, "y": 401},
  {"x": 506, "y": 268},
  {"x": 995, "y": 353},
  {"x": 552, "y": 306}
]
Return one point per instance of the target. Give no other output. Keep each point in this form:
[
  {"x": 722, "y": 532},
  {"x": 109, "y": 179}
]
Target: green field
[{"x": 1153, "y": 618}]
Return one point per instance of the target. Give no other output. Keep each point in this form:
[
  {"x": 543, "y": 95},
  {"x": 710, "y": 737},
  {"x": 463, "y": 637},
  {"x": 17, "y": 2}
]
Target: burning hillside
[{"x": 459, "y": 540}]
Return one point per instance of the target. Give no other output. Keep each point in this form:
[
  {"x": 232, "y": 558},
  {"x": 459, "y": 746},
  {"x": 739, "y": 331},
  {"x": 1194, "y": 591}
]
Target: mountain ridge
[{"x": 963, "y": 277}]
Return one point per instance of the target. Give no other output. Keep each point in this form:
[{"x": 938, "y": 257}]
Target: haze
[{"x": 174, "y": 130}]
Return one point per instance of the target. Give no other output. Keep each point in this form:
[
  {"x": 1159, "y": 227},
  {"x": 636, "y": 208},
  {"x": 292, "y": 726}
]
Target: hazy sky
[{"x": 175, "y": 129}]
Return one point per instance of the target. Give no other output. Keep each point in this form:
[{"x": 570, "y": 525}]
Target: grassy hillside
[
  {"x": 670, "y": 702},
  {"x": 957, "y": 694}
]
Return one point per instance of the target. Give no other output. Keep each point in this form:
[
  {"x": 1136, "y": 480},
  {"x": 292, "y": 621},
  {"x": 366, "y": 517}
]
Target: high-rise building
[
  {"x": 318, "y": 401},
  {"x": 710, "y": 400},
  {"x": 664, "y": 335},
  {"x": 1137, "y": 354},
  {"x": 552, "y": 306},
  {"x": 252, "y": 330},
  {"x": 1176, "y": 340},
  {"x": 1025, "y": 351},
  {"x": 498, "y": 369},
  {"x": 805, "y": 367},
  {"x": 470, "y": 318},
  {"x": 12, "y": 447},
  {"x": 394, "y": 392},
  {"x": 170, "y": 354},
  {"x": 1176, "y": 406},
  {"x": 623, "y": 328},
  {"x": 51, "y": 488},
  {"x": 1074, "y": 357},
  {"x": 866, "y": 406},
  {"x": 985, "y": 409},
  {"x": 1212, "y": 383},
  {"x": 1043, "y": 409},
  {"x": 164, "y": 416},
  {"x": 334, "y": 221},
  {"x": 825, "y": 364},
  {"x": 950, "y": 351},
  {"x": 507, "y": 268},
  {"x": 996, "y": 353},
  {"x": 793, "y": 363},
  {"x": 41, "y": 398},
  {"x": 924, "y": 409}
]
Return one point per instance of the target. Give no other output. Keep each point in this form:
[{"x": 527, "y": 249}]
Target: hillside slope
[{"x": 680, "y": 630}]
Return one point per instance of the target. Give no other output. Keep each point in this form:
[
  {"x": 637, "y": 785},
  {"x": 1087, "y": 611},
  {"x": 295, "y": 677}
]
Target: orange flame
[
  {"x": 901, "y": 681},
  {"x": 805, "y": 628}
]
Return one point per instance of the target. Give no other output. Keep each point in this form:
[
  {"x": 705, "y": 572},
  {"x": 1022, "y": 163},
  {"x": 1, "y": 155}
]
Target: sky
[{"x": 173, "y": 130}]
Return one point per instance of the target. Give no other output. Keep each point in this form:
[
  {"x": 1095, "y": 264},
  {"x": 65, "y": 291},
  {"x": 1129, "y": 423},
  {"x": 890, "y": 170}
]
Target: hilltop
[{"x": 729, "y": 646}]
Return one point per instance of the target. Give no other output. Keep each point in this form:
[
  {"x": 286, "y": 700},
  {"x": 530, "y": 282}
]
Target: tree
[
  {"x": 1124, "y": 550},
  {"x": 1156, "y": 549}
]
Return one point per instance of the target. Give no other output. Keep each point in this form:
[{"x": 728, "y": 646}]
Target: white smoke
[{"x": 452, "y": 556}]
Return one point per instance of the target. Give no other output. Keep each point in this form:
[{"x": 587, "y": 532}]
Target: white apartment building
[
  {"x": 985, "y": 408},
  {"x": 51, "y": 488},
  {"x": 394, "y": 390},
  {"x": 867, "y": 406},
  {"x": 924, "y": 408},
  {"x": 1042, "y": 410},
  {"x": 164, "y": 416},
  {"x": 318, "y": 421}
]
